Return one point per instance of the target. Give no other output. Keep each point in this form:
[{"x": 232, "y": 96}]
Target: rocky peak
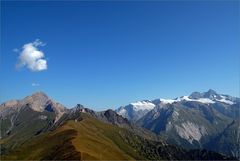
[
  {"x": 211, "y": 94},
  {"x": 79, "y": 106},
  {"x": 37, "y": 96},
  {"x": 37, "y": 101},
  {"x": 110, "y": 113},
  {"x": 116, "y": 119},
  {"x": 195, "y": 95},
  {"x": 81, "y": 109}
]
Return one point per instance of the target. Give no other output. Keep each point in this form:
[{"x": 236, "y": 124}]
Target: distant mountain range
[
  {"x": 200, "y": 120},
  {"x": 202, "y": 126}
]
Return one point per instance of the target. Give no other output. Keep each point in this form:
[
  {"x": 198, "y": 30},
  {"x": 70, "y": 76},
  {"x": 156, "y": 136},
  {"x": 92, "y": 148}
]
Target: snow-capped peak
[
  {"x": 167, "y": 101},
  {"x": 214, "y": 99},
  {"x": 142, "y": 105},
  {"x": 122, "y": 111},
  {"x": 135, "y": 110},
  {"x": 202, "y": 100},
  {"x": 186, "y": 98},
  {"x": 196, "y": 98}
]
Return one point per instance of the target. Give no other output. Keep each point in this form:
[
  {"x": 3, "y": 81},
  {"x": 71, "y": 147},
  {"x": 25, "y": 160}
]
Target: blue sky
[{"x": 107, "y": 54}]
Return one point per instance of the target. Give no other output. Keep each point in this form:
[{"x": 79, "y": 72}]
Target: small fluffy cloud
[
  {"x": 35, "y": 84},
  {"x": 32, "y": 57}
]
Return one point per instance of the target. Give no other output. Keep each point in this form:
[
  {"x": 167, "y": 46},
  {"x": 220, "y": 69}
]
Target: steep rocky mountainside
[
  {"x": 26, "y": 118},
  {"x": 192, "y": 121},
  {"x": 228, "y": 141}
]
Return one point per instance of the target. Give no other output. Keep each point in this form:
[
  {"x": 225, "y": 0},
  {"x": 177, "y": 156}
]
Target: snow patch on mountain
[
  {"x": 214, "y": 99},
  {"x": 204, "y": 100},
  {"x": 142, "y": 105},
  {"x": 122, "y": 111},
  {"x": 135, "y": 110},
  {"x": 167, "y": 101},
  {"x": 225, "y": 100},
  {"x": 186, "y": 98}
]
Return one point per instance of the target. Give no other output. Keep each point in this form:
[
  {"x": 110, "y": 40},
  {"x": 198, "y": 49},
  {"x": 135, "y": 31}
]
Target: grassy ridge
[
  {"x": 88, "y": 139},
  {"x": 98, "y": 140},
  {"x": 47, "y": 146}
]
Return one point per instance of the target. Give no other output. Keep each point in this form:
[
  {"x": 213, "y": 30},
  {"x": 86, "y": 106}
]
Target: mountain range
[
  {"x": 194, "y": 121},
  {"x": 201, "y": 126}
]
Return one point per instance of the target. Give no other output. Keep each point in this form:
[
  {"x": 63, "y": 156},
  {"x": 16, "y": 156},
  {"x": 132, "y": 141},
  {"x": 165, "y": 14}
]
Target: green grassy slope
[
  {"x": 88, "y": 139},
  {"x": 26, "y": 125}
]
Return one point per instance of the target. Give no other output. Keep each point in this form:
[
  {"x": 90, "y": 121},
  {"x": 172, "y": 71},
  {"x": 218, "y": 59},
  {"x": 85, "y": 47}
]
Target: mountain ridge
[
  {"x": 88, "y": 138},
  {"x": 180, "y": 122},
  {"x": 190, "y": 121},
  {"x": 133, "y": 113}
]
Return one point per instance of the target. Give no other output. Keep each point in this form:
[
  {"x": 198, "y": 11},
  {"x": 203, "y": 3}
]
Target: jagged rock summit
[{"x": 38, "y": 101}]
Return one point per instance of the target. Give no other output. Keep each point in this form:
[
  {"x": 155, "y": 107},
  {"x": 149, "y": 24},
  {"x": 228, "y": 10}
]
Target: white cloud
[
  {"x": 37, "y": 42},
  {"x": 35, "y": 84},
  {"x": 32, "y": 57}
]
